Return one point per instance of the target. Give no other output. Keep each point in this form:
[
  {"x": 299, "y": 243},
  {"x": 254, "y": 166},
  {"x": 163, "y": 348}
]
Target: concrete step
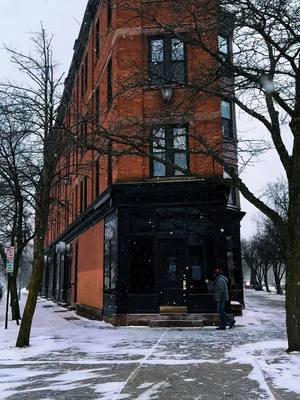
[
  {"x": 207, "y": 319},
  {"x": 213, "y": 317},
  {"x": 175, "y": 323},
  {"x": 173, "y": 309}
]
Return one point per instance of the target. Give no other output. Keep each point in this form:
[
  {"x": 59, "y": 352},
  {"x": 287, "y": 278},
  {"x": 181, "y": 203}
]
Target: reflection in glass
[
  {"x": 226, "y": 115},
  {"x": 159, "y": 141},
  {"x": 177, "y": 50},
  {"x": 196, "y": 272},
  {"x": 179, "y": 138},
  {"x": 167, "y": 61},
  {"x": 110, "y": 252},
  {"x": 172, "y": 264},
  {"x": 223, "y": 44},
  {"x": 180, "y": 161},
  {"x": 225, "y": 109},
  {"x": 157, "y": 50},
  {"x": 159, "y": 169},
  {"x": 198, "y": 266}
]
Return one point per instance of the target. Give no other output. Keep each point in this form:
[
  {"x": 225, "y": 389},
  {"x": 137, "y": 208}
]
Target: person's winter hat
[{"x": 217, "y": 272}]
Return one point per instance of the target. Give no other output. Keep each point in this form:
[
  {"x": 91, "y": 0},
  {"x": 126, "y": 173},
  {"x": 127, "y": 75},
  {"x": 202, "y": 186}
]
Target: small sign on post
[
  {"x": 9, "y": 267},
  {"x": 10, "y": 253}
]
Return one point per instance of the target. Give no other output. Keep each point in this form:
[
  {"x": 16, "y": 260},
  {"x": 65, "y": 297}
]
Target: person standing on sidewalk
[{"x": 222, "y": 297}]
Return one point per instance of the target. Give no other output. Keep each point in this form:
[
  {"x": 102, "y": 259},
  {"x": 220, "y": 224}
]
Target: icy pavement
[{"x": 74, "y": 358}]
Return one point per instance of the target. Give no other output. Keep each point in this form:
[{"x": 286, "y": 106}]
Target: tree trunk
[
  {"x": 253, "y": 281},
  {"x": 279, "y": 289},
  {"x": 278, "y": 285},
  {"x": 34, "y": 287},
  {"x": 293, "y": 294},
  {"x": 14, "y": 299},
  {"x": 266, "y": 282},
  {"x": 37, "y": 271},
  {"x": 276, "y": 272},
  {"x": 259, "y": 278}
]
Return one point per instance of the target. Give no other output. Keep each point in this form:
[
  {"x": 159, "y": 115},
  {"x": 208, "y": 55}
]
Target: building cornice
[{"x": 79, "y": 49}]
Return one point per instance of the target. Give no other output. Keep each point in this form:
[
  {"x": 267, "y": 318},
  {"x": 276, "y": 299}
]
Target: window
[
  {"x": 223, "y": 44},
  {"x": 82, "y": 80},
  {"x": 198, "y": 265},
  {"x": 81, "y": 197},
  {"x": 84, "y": 75},
  {"x": 169, "y": 144},
  {"x": 97, "y": 177},
  {"x": 110, "y": 253},
  {"x": 109, "y": 162},
  {"x": 85, "y": 193},
  {"x": 85, "y": 132},
  {"x": 66, "y": 221},
  {"x": 167, "y": 61},
  {"x": 97, "y": 104},
  {"x": 76, "y": 201},
  {"x": 233, "y": 191},
  {"x": 83, "y": 136},
  {"x": 232, "y": 198},
  {"x": 109, "y": 84},
  {"x": 86, "y": 71},
  {"x": 97, "y": 39},
  {"x": 141, "y": 265},
  {"x": 68, "y": 162},
  {"x": 226, "y": 114},
  {"x": 109, "y": 13}
]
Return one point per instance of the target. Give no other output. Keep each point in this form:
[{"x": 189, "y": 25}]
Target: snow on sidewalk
[{"x": 71, "y": 357}]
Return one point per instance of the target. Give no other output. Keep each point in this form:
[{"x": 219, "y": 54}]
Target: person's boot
[{"x": 232, "y": 323}]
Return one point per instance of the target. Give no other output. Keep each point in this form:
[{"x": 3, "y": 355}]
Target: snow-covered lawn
[{"x": 71, "y": 357}]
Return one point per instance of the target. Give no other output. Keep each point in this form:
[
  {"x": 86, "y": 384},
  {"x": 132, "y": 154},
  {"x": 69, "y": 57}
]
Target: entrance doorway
[{"x": 172, "y": 270}]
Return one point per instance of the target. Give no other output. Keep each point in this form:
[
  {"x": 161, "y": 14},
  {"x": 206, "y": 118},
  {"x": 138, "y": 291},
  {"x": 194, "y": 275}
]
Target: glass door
[{"x": 171, "y": 266}]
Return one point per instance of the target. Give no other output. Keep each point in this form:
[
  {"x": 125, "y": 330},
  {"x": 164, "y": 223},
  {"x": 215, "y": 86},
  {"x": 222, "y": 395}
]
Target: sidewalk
[{"x": 74, "y": 358}]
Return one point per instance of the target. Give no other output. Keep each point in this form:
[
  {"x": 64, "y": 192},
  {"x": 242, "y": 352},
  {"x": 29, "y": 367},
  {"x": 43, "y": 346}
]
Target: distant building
[{"x": 139, "y": 234}]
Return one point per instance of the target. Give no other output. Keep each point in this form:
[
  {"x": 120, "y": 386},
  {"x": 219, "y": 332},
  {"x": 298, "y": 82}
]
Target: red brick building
[{"x": 142, "y": 216}]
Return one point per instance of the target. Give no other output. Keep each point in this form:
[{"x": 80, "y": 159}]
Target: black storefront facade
[{"x": 162, "y": 242}]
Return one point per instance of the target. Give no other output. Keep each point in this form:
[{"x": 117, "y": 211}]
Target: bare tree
[
  {"x": 39, "y": 98},
  {"x": 45, "y": 145},
  {"x": 249, "y": 260},
  {"x": 254, "y": 258},
  {"x": 277, "y": 195},
  {"x": 16, "y": 164},
  {"x": 276, "y": 250},
  {"x": 265, "y": 251}
]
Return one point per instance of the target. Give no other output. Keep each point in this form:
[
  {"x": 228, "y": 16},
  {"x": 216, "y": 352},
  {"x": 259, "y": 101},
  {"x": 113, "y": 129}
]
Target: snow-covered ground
[{"x": 74, "y": 358}]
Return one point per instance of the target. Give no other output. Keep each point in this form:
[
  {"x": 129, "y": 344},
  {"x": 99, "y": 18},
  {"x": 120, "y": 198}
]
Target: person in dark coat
[{"x": 221, "y": 296}]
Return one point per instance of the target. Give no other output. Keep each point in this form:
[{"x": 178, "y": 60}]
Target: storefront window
[
  {"x": 198, "y": 268},
  {"x": 142, "y": 270},
  {"x": 110, "y": 253}
]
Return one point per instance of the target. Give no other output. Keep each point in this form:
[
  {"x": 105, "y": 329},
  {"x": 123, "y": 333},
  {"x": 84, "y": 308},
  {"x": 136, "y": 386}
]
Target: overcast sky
[
  {"x": 20, "y": 18},
  {"x": 62, "y": 18}
]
